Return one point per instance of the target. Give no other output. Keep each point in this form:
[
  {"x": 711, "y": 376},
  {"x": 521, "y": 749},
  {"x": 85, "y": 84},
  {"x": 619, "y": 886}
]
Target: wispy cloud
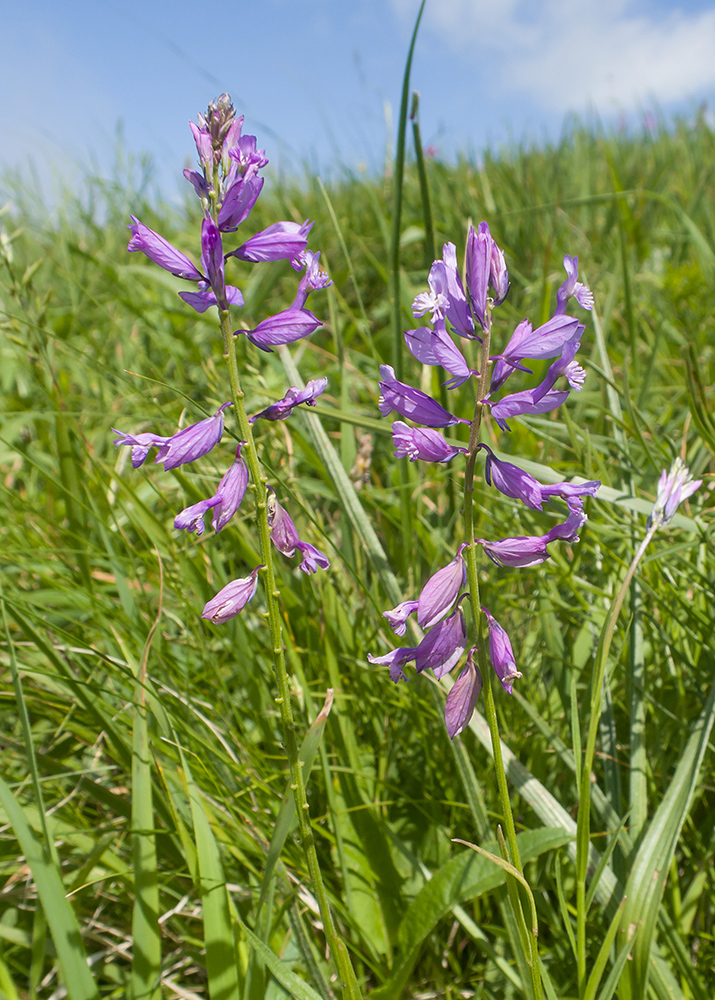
[{"x": 568, "y": 54}]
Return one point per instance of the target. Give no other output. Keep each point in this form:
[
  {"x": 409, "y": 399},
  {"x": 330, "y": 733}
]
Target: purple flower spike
[
  {"x": 283, "y": 328},
  {"x": 281, "y": 241},
  {"x": 394, "y": 660},
  {"x": 522, "y": 551},
  {"x": 294, "y": 397},
  {"x": 284, "y": 536},
  {"x": 442, "y": 647},
  {"x": 192, "y": 442},
  {"x": 399, "y": 615},
  {"x": 140, "y": 444},
  {"x": 573, "y": 287},
  {"x": 441, "y": 591},
  {"x": 422, "y": 442},
  {"x": 412, "y": 403},
  {"x": 479, "y": 262},
  {"x": 161, "y": 252},
  {"x": 438, "y": 348},
  {"x": 462, "y": 699},
  {"x": 501, "y": 653},
  {"x": 511, "y": 480},
  {"x": 674, "y": 486},
  {"x": 232, "y": 599}
]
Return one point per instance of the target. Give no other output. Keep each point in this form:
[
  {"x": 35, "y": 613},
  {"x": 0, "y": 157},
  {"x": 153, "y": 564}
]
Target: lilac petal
[
  {"x": 204, "y": 144},
  {"x": 521, "y": 551},
  {"x": 545, "y": 342},
  {"x": 192, "y": 442},
  {"x": 394, "y": 659},
  {"x": 437, "y": 348},
  {"x": 499, "y": 275},
  {"x": 284, "y": 534},
  {"x": 231, "y": 599},
  {"x": 412, "y": 403},
  {"x": 161, "y": 252},
  {"x": 462, "y": 699},
  {"x": 140, "y": 444},
  {"x": 281, "y": 241},
  {"x": 191, "y": 519},
  {"x": 442, "y": 647},
  {"x": 200, "y": 301},
  {"x": 246, "y": 154},
  {"x": 238, "y": 202},
  {"x": 571, "y": 492},
  {"x": 422, "y": 442},
  {"x": 283, "y": 408},
  {"x": 511, "y": 480},
  {"x": 313, "y": 279},
  {"x": 479, "y": 259},
  {"x": 313, "y": 558},
  {"x": 501, "y": 653},
  {"x": 212, "y": 255},
  {"x": 520, "y": 403},
  {"x": 573, "y": 287},
  {"x": 283, "y": 328},
  {"x": 397, "y": 618},
  {"x": 457, "y": 311},
  {"x": 441, "y": 591},
  {"x": 231, "y": 491},
  {"x": 198, "y": 181},
  {"x": 568, "y": 531}
]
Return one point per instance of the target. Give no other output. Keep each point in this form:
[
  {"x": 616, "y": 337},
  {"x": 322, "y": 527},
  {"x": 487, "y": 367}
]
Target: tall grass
[{"x": 144, "y": 823}]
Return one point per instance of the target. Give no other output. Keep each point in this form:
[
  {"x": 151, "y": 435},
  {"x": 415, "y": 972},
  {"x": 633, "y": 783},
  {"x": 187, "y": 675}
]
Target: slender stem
[
  {"x": 259, "y": 479},
  {"x": 583, "y": 833}
]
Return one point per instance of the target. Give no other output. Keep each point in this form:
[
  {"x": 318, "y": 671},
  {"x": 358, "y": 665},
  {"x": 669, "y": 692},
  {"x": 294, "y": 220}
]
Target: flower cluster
[
  {"x": 228, "y": 184},
  {"x": 456, "y": 312}
]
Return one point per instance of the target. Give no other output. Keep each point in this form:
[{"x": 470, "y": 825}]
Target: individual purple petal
[
  {"x": 501, "y": 653},
  {"x": 545, "y": 342},
  {"x": 313, "y": 280},
  {"x": 191, "y": 519},
  {"x": 522, "y": 551},
  {"x": 231, "y": 599},
  {"x": 212, "y": 255},
  {"x": 571, "y": 492},
  {"x": 521, "y": 403},
  {"x": 283, "y": 408},
  {"x": 394, "y": 660},
  {"x": 192, "y": 442},
  {"x": 568, "y": 531},
  {"x": 422, "y": 442},
  {"x": 246, "y": 154},
  {"x": 462, "y": 699},
  {"x": 457, "y": 311},
  {"x": 204, "y": 144},
  {"x": 313, "y": 559},
  {"x": 206, "y": 297},
  {"x": 397, "y": 618},
  {"x": 231, "y": 491},
  {"x": 479, "y": 259},
  {"x": 412, "y": 403},
  {"x": 283, "y": 328},
  {"x": 499, "y": 275},
  {"x": 573, "y": 287},
  {"x": 442, "y": 647},
  {"x": 198, "y": 181},
  {"x": 238, "y": 202},
  {"x": 674, "y": 486},
  {"x": 161, "y": 252},
  {"x": 140, "y": 444},
  {"x": 511, "y": 480},
  {"x": 438, "y": 348},
  {"x": 281, "y": 241},
  {"x": 441, "y": 591}
]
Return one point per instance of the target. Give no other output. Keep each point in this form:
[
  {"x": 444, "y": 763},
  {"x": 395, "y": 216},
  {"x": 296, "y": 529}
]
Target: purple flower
[
  {"x": 412, "y": 403},
  {"x": 225, "y": 502},
  {"x": 499, "y": 275},
  {"x": 313, "y": 280},
  {"x": 140, "y": 444},
  {"x": 204, "y": 144},
  {"x": 462, "y": 699},
  {"x": 394, "y": 660},
  {"x": 246, "y": 155},
  {"x": 238, "y": 201},
  {"x": 501, "y": 653},
  {"x": 438, "y": 348},
  {"x": 446, "y": 296},
  {"x": 283, "y": 328},
  {"x": 397, "y": 618},
  {"x": 520, "y": 403},
  {"x": 514, "y": 482},
  {"x": 545, "y": 342},
  {"x": 185, "y": 446},
  {"x": 284, "y": 536},
  {"x": 161, "y": 252},
  {"x": 572, "y": 286},
  {"x": 524, "y": 550},
  {"x": 231, "y": 599},
  {"x": 572, "y": 493},
  {"x": 442, "y": 647},
  {"x": 422, "y": 442},
  {"x": 568, "y": 531},
  {"x": 281, "y": 241},
  {"x": 479, "y": 262},
  {"x": 441, "y": 591},
  {"x": 205, "y": 297},
  {"x": 294, "y": 397},
  {"x": 674, "y": 486}
]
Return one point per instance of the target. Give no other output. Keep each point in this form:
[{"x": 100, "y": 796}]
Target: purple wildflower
[
  {"x": 185, "y": 446},
  {"x": 675, "y": 485},
  {"x": 161, "y": 252},
  {"x": 479, "y": 262},
  {"x": 240, "y": 198},
  {"x": 573, "y": 287},
  {"x": 412, "y": 403},
  {"x": 281, "y": 241},
  {"x": 422, "y": 442},
  {"x": 545, "y": 342},
  {"x": 442, "y": 647},
  {"x": 140, "y": 444},
  {"x": 294, "y": 397},
  {"x": 501, "y": 653},
  {"x": 514, "y": 482},
  {"x": 446, "y": 298},
  {"x": 225, "y": 502},
  {"x": 397, "y": 618},
  {"x": 441, "y": 591},
  {"x": 231, "y": 599},
  {"x": 568, "y": 531},
  {"x": 313, "y": 280},
  {"x": 438, "y": 348},
  {"x": 462, "y": 699},
  {"x": 283, "y": 328},
  {"x": 284, "y": 536},
  {"x": 523, "y": 550},
  {"x": 394, "y": 660}
]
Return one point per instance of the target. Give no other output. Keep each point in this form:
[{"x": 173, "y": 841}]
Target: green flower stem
[
  {"x": 477, "y": 638},
  {"x": 337, "y": 947},
  {"x": 583, "y": 833}
]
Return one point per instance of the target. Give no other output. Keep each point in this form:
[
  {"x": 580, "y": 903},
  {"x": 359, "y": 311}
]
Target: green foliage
[{"x": 92, "y": 338}]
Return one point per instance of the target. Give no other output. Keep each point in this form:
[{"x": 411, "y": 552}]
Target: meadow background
[{"x": 111, "y": 795}]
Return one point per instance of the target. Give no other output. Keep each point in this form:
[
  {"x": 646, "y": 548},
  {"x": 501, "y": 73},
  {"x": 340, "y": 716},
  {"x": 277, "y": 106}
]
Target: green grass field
[{"x": 141, "y": 824}]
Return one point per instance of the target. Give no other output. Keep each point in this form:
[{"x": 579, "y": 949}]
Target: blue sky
[{"x": 315, "y": 77}]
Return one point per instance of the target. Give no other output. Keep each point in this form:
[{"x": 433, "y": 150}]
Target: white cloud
[{"x": 567, "y": 54}]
